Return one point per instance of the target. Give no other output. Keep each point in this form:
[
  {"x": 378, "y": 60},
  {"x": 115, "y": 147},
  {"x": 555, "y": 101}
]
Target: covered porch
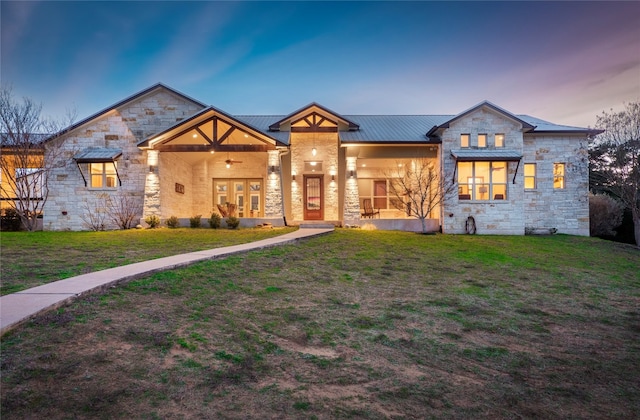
[{"x": 213, "y": 163}]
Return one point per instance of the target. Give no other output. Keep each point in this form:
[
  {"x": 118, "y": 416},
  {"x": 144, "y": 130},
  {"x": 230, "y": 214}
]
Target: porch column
[
  {"x": 152, "y": 186},
  {"x": 351, "y": 213},
  {"x": 273, "y": 190}
]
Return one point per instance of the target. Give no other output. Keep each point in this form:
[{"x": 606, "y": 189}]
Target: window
[
  {"x": 558, "y": 176},
  {"x": 29, "y": 182},
  {"x": 499, "y": 140},
  {"x": 529, "y": 176},
  {"x": 103, "y": 175},
  {"x": 482, "y": 181},
  {"x": 482, "y": 140},
  {"x": 380, "y": 193},
  {"x": 464, "y": 140}
]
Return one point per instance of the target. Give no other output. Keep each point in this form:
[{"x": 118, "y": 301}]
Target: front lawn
[
  {"x": 354, "y": 324},
  {"x": 30, "y": 259}
]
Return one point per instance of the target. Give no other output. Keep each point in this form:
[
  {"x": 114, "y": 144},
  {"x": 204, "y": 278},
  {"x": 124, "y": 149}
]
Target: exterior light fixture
[
  {"x": 152, "y": 168},
  {"x": 314, "y": 151},
  {"x": 333, "y": 176},
  {"x": 228, "y": 165},
  {"x": 272, "y": 169},
  {"x": 213, "y": 151},
  {"x": 195, "y": 135},
  {"x": 293, "y": 176},
  {"x": 352, "y": 173}
]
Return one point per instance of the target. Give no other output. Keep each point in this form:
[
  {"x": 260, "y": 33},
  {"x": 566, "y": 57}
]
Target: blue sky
[{"x": 561, "y": 61}]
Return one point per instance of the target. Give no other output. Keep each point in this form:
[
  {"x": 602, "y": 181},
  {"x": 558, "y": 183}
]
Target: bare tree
[
  {"x": 95, "y": 213},
  {"x": 615, "y": 159},
  {"x": 124, "y": 209},
  {"x": 417, "y": 188},
  {"x": 26, "y": 174}
]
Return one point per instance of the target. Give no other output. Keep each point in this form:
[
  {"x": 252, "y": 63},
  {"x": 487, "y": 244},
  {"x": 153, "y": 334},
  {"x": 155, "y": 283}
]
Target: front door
[{"x": 313, "y": 202}]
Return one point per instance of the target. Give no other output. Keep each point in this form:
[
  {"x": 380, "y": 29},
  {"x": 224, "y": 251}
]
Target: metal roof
[
  {"x": 390, "y": 128},
  {"x": 98, "y": 154},
  {"x": 542, "y": 126},
  {"x": 262, "y": 123},
  {"x": 490, "y": 154}
]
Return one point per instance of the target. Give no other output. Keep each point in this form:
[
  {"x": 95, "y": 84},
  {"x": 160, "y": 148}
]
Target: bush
[
  {"x": 173, "y": 222},
  {"x": 214, "y": 221},
  {"x": 10, "y": 220},
  {"x": 153, "y": 221},
  {"x": 194, "y": 221},
  {"x": 233, "y": 222},
  {"x": 605, "y": 215}
]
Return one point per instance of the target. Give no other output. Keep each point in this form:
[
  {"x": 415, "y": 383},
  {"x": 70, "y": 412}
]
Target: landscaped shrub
[
  {"x": 233, "y": 222},
  {"x": 173, "y": 222},
  {"x": 10, "y": 220},
  {"x": 153, "y": 221},
  {"x": 194, "y": 221},
  {"x": 214, "y": 221},
  {"x": 605, "y": 214}
]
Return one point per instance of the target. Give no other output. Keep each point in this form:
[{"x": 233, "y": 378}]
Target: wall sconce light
[
  {"x": 152, "y": 168},
  {"x": 272, "y": 169},
  {"x": 333, "y": 177},
  {"x": 352, "y": 173},
  {"x": 293, "y": 176},
  {"x": 314, "y": 151}
]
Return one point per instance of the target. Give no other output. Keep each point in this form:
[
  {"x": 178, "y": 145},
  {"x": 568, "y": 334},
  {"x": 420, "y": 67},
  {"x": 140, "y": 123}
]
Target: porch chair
[{"x": 369, "y": 211}]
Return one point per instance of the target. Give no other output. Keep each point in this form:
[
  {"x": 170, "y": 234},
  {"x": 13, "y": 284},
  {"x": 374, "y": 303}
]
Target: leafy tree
[
  {"x": 417, "y": 188},
  {"x": 605, "y": 215},
  {"x": 25, "y": 172},
  {"x": 615, "y": 159}
]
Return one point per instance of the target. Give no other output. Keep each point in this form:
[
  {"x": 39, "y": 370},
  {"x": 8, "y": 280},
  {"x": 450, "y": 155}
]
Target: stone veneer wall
[
  {"x": 566, "y": 210},
  {"x": 491, "y": 217},
  {"x": 273, "y": 187},
  {"x": 122, "y": 128},
  {"x": 327, "y": 148}
]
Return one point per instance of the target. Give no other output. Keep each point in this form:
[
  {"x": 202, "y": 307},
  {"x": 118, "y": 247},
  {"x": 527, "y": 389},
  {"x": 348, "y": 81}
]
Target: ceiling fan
[{"x": 230, "y": 161}]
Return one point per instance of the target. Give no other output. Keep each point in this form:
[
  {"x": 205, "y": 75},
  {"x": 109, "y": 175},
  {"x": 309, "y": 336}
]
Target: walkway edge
[{"x": 20, "y": 307}]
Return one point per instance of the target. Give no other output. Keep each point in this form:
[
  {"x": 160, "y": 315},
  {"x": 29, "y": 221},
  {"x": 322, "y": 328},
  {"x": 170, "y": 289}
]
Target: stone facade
[
  {"x": 565, "y": 210},
  {"x": 503, "y": 217},
  {"x": 168, "y": 169},
  {"x": 122, "y": 128}
]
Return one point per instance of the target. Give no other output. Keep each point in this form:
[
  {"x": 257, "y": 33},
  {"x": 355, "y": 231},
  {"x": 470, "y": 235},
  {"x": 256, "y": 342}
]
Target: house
[{"x": 173, "y": 155}]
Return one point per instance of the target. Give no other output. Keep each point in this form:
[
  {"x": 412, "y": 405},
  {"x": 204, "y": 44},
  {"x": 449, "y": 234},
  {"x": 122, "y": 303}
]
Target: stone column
[
  {"x": 152, "y": 186},
  {"x": 351, "y": 213},
  {"x": 273, "y": 188}
]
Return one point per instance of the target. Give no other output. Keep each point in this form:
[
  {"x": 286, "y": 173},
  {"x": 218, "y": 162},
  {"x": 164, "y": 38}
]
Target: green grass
[
  {"x": 30, "y": 259},
  {"x": 355, "y": 324}
]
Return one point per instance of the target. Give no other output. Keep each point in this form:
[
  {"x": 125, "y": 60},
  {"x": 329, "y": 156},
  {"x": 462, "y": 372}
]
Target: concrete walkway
[{"x": 19, "y": 307}]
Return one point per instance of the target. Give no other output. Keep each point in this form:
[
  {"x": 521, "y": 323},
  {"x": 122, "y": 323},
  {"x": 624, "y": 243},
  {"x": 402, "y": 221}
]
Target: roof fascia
[
  {"x": 120, "y": 104},
  {"x": 276, "y": 126},
  {"x": 586, "y": 131}
]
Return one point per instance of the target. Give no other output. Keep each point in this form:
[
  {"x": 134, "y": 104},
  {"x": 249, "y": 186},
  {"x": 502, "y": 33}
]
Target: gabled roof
[
  {"x": 124, "y": 102},
  {"x": 289, "y": 118},
  {"x": 525, "y": 125},
  {"x": 210, "y": 109}
]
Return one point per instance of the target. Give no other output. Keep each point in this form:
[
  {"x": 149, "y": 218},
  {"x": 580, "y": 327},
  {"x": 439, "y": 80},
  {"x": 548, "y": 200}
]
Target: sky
[{"x": 565, "y": 62}]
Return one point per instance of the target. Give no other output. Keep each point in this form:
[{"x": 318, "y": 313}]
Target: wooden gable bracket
[{"x": 314, "y": 126}]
